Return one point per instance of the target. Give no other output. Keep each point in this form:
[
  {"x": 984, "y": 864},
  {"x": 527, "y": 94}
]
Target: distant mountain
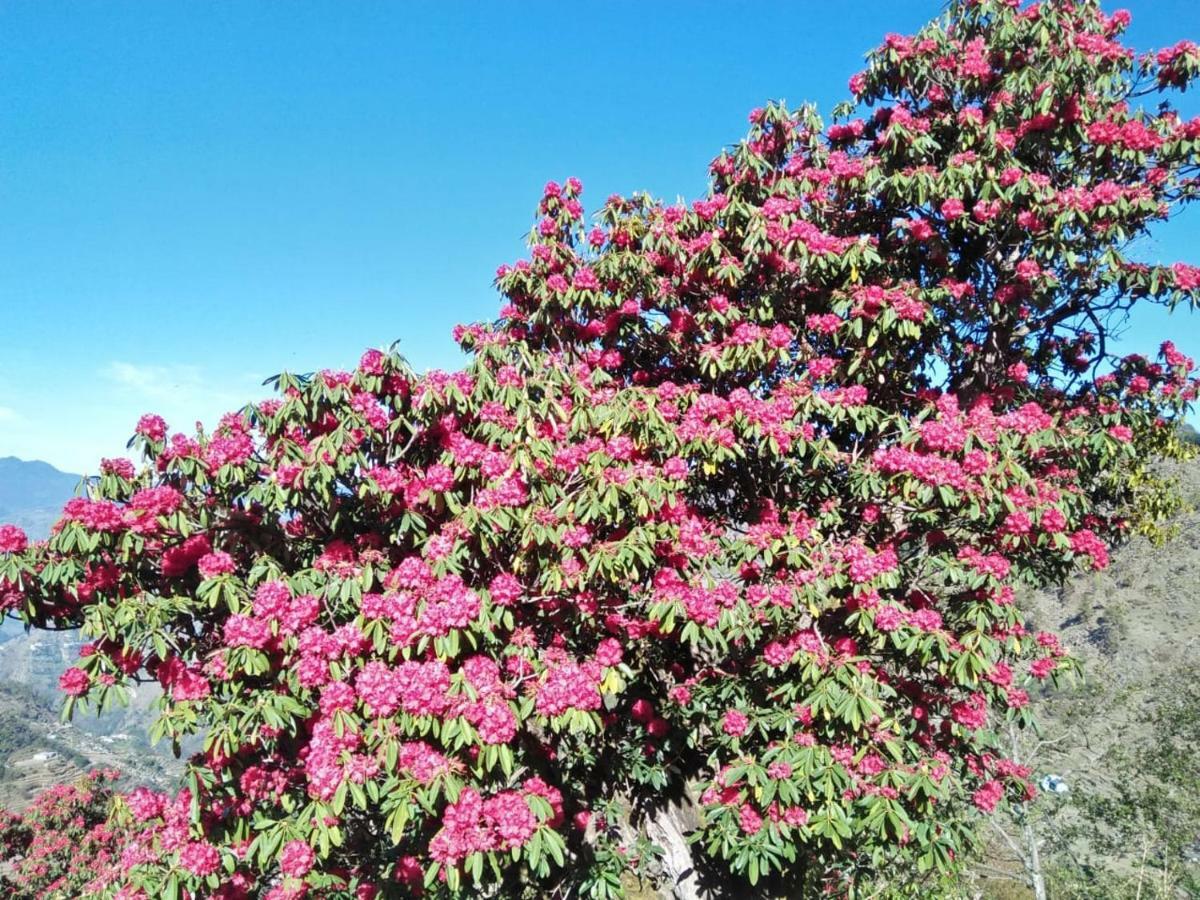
[{"x": 32, "y": 494}]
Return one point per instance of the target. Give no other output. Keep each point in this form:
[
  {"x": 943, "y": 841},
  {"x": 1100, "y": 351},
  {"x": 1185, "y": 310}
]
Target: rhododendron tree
[
  {"x": 703, "y": 569},
  {"x": 65, "y": 844}
]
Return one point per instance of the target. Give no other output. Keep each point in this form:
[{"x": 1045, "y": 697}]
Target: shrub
[{"x": 63, "y": 844}]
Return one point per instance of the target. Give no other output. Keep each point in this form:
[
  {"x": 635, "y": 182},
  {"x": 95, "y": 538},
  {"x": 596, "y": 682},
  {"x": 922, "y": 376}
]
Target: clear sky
[{"x": 194, "y": 196}]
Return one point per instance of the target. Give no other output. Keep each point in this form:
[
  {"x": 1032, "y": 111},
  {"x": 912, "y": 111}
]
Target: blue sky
[{"x": 194, "y": 196}]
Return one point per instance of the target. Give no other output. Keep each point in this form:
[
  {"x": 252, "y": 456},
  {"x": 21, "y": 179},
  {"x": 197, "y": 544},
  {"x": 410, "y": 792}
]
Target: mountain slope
[
  {"x": 32, "y": 494},
  {"x": 1136, "y": 629}
]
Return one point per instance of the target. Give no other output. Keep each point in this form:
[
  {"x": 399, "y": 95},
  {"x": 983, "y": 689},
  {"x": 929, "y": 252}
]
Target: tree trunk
[
  {"x": 1033, "y": 861},
  {"x": 684, "y": 873},
  {"x": 667, "y": 826},
  {"x": 1033, "y": 858}
]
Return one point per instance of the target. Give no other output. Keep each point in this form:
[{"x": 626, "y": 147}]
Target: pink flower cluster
[
  {"x": 473, "y": 825},
  {"x": 12, "y": 539},
  {"x": 296, "y": 859},
  {"x": 569, "y": 686}
]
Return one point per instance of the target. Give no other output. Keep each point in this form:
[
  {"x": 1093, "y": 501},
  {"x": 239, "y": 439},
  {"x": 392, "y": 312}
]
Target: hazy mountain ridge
[{"x": 32, "y": 494}]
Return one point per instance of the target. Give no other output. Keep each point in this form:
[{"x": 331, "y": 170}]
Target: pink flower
[
  {"x": 178, "y": 560},
  {"x": 505, "y": 589},
  {"x": 377, "y": 688},
  {"x": 680, "y": 694},
  {"x": 1041, "y": 668},
  {"x": 152, "y": 427},
  {"x": 749, "y": 820},
  {"x": 735, "y": 723},
  {"x": 925, "y": 619},
  {"x": 952, "y": 209},
  {"x": 145, "y": 804},
  {"x": 579, "y": 536},
  {"x": 585, "y": 280},
  {"x": 245, "y": 631},
  {"x": 779, "y": 337},
  {"x": 919, "y": 229},
  {"x": 642, "y": 710},
  {"x": 795, "y": 816},
  {"x": 1086, "y": 543},
  {"x": 1017, "y": 523},
  {"x": 371, "y": 363},
  {"x": 74, "y": 682},
  {"x": 297, "y": 859},
  {"x": 1016, "y": 698},
  {"x": 988, "y": 796},
  {"x": 494, "y": 721},
  {"x": 970, "y": 713},
  {"x": 120, "y": 467},
  {"x": 200, "y": 858},
  {"x": 189, "y": 684},
  {"x": 439, "y": 478},
  {"x": 422, "y": 687},
  {"x": 1000, "y": 674},
  {"x": 12, "y": 539},
  {"x": 1187, "y": 278},
  {"x": 213, "y": 564},
  {"x": 1053, "y": 520},
  {"x": 566, "y": 687},
  {"x": 779, "y": 770},
  {"x": 609, "y": 652},
  {"x": 675, "y": 468},
  {"x": 1028, "y": 270}
]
